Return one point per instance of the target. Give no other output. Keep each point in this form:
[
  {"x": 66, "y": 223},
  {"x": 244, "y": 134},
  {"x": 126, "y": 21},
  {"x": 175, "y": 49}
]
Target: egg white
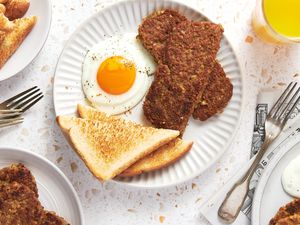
[
  {"x": 127, "y": 46},
  {"x": 291, "y": 178}
]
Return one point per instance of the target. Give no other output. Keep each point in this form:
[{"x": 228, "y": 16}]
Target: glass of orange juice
[{"x": 277, "y": 21}]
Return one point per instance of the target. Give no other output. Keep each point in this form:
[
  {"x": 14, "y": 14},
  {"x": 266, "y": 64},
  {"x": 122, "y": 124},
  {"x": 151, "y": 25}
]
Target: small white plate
[
  {"x": 269, "y": 195},
  {"x": 211, "y": 138},
  {"x": 56, "y": 193},
  {"x": 33, "y": 43}
]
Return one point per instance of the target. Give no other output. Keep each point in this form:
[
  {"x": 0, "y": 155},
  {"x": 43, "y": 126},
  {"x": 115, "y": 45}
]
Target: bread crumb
[
  {"x": 74, "y": 167},
  {"x": 249, "y": 39},
  {"x": 158, "y": 194},
  {"x": 87, "y": 194},
  {"x": 296, "y": 75},
  {"x": 198, "y": 200},
  {"x": 95, "y": 191},
  {"x": 162, "y": 219},
  {"x": 131, "y": 210},
  {"x": 58, "y": 160},
  {"x": 264, "y": 72},
  {"x": 281, "y": 83},
  {"x": 45, "y": 68},
  {"x": 194, "y": 185},
  {"x": 56, "y": 147},
  {"x": 24, "y": 132},
  {"x": 218, "y": 170}
]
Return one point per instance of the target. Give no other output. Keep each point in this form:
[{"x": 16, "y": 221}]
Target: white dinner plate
[
  {"x": 269, "y": 195},
  {"x": 211, "y": 138},
  {"x": 33, "y": 43},
  {"x": 56, "y": 193}
]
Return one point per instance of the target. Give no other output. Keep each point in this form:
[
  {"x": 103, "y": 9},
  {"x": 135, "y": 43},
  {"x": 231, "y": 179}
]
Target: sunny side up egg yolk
[{"x": 116, "y": 75}]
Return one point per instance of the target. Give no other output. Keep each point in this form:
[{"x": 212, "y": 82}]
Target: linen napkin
[{"x": 265, "y": 101}]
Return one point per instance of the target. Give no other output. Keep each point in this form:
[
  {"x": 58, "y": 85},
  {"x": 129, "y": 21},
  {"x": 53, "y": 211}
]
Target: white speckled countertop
[{"x": 110, "y": 203}]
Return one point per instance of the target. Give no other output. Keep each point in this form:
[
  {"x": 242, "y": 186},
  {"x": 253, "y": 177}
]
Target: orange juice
[{"x": 277, "y": 20}]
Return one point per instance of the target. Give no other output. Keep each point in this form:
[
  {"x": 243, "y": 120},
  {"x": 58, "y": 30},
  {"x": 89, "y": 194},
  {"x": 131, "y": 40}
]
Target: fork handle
[{"x": 231, "y": 206}]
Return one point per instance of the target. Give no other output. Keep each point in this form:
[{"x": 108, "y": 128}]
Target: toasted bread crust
[
  {"x": 16, "y": 9},
  {"x": 2, "y": 9},
  {"x": 286, "y": 211},
  {"x": 160, "y": 158},
  {"x": 14, "y": 38},
  {"x": 19, "y": 173}
]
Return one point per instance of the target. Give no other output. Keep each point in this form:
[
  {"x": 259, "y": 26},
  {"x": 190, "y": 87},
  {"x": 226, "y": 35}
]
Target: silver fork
[
  {"x": 11, "y": 109},
  {"x": 275, "y": 121}
]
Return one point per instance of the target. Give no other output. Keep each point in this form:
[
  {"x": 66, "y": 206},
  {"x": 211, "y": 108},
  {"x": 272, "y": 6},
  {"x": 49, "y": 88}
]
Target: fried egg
[
  {"x": 116, "y": 73},
  {"x": 291, "y": 178}
]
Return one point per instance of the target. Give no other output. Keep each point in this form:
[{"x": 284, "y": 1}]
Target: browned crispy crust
[
  {"x": 50, "y": 218},
  {"x": 286, "y": 211},
  {"x": 155, "y": 29},
  {"x": 16, "y": 9},
  {"x": 19, "y": 173},
  {"x": 291, "y": 220},
  {"x": 181, "y": 79},
  {"x": 216, "y": 95},
  {"x": 19, "y": 205},
  {"x": 162, "y": 157}
]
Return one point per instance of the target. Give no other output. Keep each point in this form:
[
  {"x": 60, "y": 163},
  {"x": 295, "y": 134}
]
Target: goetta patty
[
  {"x": 155, "y": 29},
  {"x": 19, "y": 173},
  {"x": 154, "y": 34},
  {"x": 183, "y": 75},
  {"x": 216, "y": 96}
]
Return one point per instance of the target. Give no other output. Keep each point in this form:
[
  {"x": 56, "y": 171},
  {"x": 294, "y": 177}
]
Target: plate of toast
[
  {"x": 24, "y": 27},
  {"x": 280, "y": 185},
  {"x": 148, "y": 93},
  {"x": 34, "y": 191}
]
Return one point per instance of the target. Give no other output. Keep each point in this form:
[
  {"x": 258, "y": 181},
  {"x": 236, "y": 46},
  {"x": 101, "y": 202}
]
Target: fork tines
[
  {"x": 10, "y": 122},
  {"x": 24, "y": 100},
  {"x": 286, "y": 103},
  {"x": 5, "y": 113}
]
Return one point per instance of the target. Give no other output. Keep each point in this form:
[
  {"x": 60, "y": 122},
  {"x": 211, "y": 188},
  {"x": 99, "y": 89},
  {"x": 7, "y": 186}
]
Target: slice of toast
[
  {"x": 162, "y": 157},
  {"x": 15, "y": 37},
  {"x": 110, "y": 147}
]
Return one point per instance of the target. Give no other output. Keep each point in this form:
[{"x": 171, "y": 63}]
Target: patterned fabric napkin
[{"x": 291, "y": 133}]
